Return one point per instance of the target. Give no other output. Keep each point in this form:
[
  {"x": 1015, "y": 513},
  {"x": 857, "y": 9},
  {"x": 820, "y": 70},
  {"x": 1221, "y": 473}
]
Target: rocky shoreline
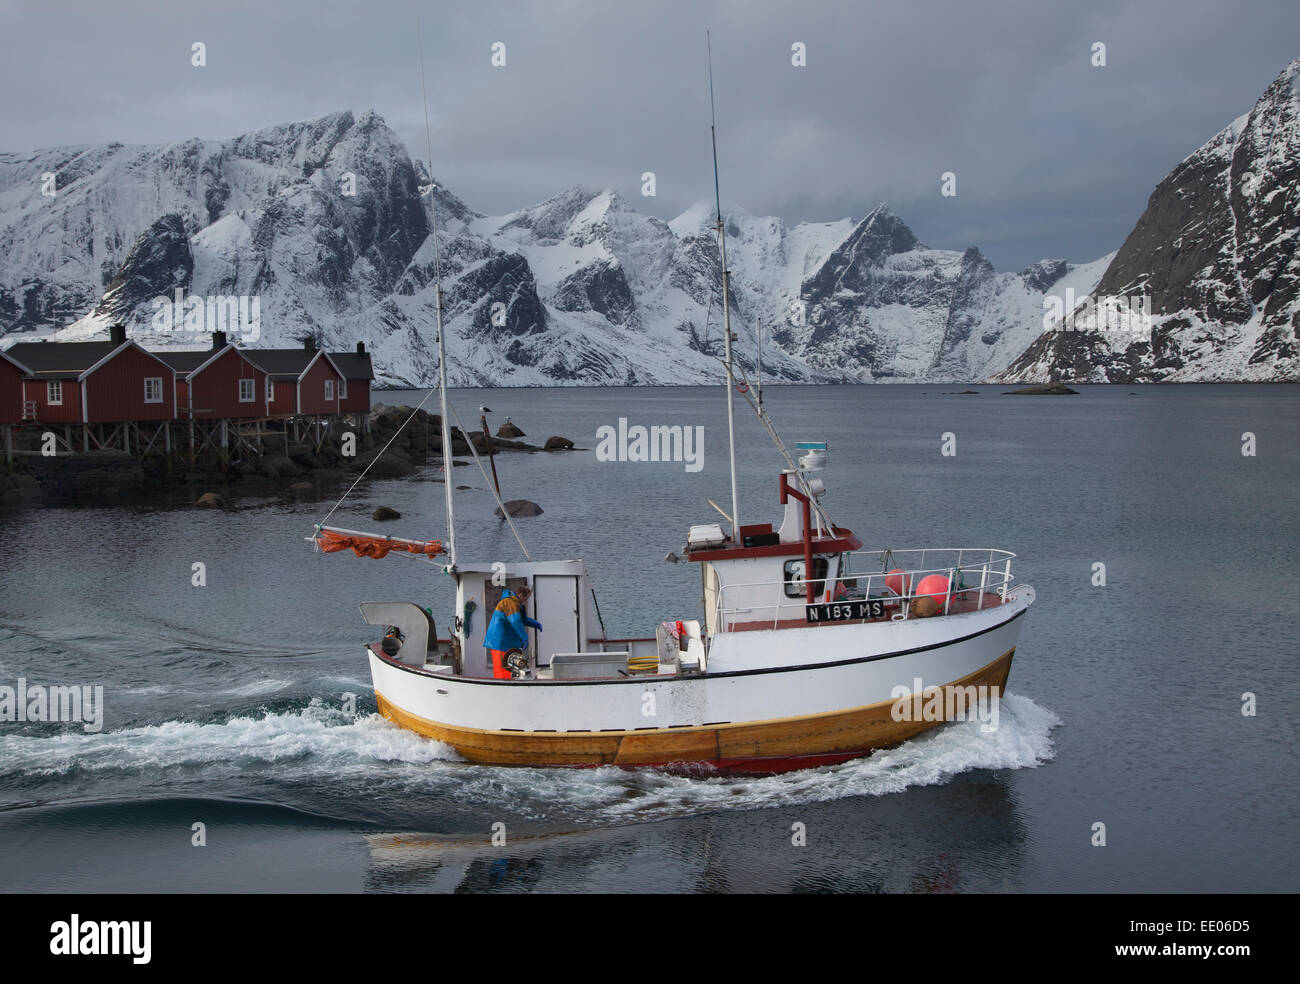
[{"x": 298, "y": 467}]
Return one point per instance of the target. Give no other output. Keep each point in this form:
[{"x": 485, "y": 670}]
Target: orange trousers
[{"x": 499, "y": 670}]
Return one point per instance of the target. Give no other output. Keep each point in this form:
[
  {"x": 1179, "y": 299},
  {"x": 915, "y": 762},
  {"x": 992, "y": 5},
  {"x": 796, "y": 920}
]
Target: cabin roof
[
  {"x": 843, "y": 540},
  {"x": 54, "y": 360},
  {"x": 281, "y": 363},
  {"x": 353, "y": 365}
]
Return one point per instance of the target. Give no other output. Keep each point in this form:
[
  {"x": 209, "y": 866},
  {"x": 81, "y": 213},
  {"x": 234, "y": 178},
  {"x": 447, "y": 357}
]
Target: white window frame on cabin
[
  {"x": 54, "y": 392},
  {"x": 251, "y": 389},
  {"x": 270, "y": 390},
  {"x": 329, "y": 389},
  {"x": 156, "y": 381},
  {"x": 343, "y": 389}
]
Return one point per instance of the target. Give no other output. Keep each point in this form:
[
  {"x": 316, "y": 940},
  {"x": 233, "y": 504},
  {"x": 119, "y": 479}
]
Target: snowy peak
[
  {"x": 1217, "y": 256},
  {"x": 327, "y": 224},
  {"x": 877, "y": 237}
]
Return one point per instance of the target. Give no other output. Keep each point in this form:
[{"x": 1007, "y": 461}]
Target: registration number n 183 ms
[{"x": 845, "y": 611}]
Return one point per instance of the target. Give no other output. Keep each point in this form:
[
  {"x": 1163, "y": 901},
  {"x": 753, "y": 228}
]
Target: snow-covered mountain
[
  {"x": 1218, "y": 253},
  {"x": 324, "y": 225}
]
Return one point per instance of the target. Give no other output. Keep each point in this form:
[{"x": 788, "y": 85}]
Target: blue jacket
[{"x": 506, "y": 630}]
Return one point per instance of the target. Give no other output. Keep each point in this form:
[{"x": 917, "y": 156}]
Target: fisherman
[{"x": 506, "y": 630}]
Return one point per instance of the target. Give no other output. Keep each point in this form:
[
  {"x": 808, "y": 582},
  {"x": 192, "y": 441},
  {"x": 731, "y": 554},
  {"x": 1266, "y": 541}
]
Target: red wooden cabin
[
  {"x": 11, "y": 389},
  {"x": 96, "y": 382},
  {"x": 301, "y": 381},
  {"x": 217, "y": 382},
  {"x": 358, "y": 374}
]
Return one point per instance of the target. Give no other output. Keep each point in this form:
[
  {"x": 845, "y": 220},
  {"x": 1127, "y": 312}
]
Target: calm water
[{"x": 225, "y": 704}]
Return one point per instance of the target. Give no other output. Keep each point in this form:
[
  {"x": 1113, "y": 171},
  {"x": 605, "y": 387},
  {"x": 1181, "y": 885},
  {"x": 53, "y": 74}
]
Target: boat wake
[
  {"x": 1022, "y": 740},
  {"x": 316, "y": 738},
  {"x": 323, "y": 743}
]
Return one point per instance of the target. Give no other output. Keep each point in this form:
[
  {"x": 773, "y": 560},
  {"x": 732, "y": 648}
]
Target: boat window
[{"x": 795, "y": 586}]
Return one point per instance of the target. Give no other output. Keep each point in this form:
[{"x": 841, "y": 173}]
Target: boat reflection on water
[{"x": 973, "y": 840}]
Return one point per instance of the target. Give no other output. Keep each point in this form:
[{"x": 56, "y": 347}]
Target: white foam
[
  {"x": 324, "y": 736},
  {"x": 256, "y": 688},
  {"x": 321, "y": 740},
  {"x": 1022, "y": 740}
]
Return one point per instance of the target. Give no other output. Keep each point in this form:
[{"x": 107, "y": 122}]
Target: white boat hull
[{"x": 771, "y": 699}]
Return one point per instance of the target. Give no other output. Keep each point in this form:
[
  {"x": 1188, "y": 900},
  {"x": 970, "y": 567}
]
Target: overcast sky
[{"x": 1053, "y": 157}]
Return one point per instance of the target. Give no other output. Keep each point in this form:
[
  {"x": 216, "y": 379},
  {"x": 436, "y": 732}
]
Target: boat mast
[
  {"x": 442, "y": 347},
  {"x": 726, "y": 311}
]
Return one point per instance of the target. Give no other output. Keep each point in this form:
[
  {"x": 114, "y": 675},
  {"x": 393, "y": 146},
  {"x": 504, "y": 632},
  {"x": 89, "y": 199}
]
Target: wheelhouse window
[
  {"x": 795, "y": 585},
  {"x": 329, "y": 389},
  {"x": 153, "y": 389},
  {"x": 54, "y": 392},
  {"x": 247, "y": 390}
]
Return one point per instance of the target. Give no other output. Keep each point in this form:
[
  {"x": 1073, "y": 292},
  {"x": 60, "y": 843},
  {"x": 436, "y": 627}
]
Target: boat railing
[{"x": 976, "y": 579}]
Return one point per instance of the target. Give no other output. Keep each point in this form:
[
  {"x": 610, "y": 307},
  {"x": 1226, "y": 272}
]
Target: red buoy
[
  {"x": 934, "y": 586},
  {"x": 897, "y": 581}
]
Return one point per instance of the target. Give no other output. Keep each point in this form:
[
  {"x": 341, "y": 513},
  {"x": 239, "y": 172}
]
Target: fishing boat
[{"x": 808, "y": 650}]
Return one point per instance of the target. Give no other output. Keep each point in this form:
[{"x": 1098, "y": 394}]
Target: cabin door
[
  {"x": 555, "y": 605},
  {"x": 482, "y": 666}
]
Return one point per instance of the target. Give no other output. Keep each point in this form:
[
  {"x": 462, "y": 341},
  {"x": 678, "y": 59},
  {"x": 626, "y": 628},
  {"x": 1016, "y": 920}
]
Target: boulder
[
  {"x": 1049, "y": 389},
  {"x": 393, "y": 463},
  {"x": 211, "y": 500},
  {"x": 509, "y": 430},
  {"x": 558, "y": 444},
  {"x": 520, "y": 507},
  {"x": 278, "y": 466},
  {"x": 307, "y": 460},
  {"x": 385, "y": 513},
  {"x": 390, "y": 466},
  {"x": 92, "y": 473}
]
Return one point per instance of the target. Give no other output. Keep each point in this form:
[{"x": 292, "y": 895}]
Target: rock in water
[
  {"x": 210, "y": 500},
  {"x": 558, "y": 444},
  {"x": 1050, "y": 389},
  {"x": 521, "y": 507},
  {"x": 509, "y": 430},
  {"x": 383, "y": 513}
]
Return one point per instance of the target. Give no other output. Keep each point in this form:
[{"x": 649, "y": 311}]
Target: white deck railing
[{"x": 973, "y": 575}]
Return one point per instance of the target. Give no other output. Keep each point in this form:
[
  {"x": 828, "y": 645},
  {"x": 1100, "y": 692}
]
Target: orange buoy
[
  {"x": 933, "y": 586},
  {"x": 897, "y": 581}
]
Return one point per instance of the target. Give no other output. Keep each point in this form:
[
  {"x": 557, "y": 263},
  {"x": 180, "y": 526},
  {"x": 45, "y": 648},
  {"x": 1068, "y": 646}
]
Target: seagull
[{"x": 484, "y": 409}]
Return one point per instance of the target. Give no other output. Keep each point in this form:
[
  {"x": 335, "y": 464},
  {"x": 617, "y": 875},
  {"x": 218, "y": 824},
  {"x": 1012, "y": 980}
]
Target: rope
[
  {"x": 598, "y": 618},
  {"x": 478, "y": 461},
  {"x": 373, "y": 460}
]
